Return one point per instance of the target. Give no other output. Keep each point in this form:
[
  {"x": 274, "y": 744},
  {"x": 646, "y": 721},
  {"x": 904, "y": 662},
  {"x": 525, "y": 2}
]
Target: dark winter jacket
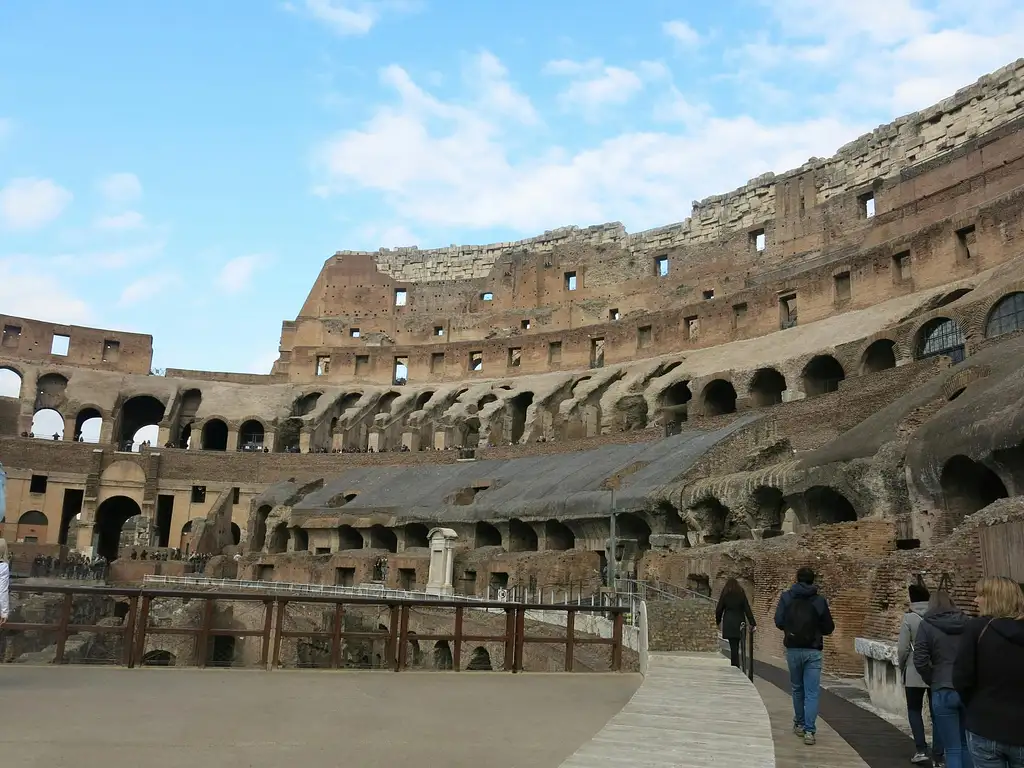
[
  {"x": 989, "y": 674},
  {"x": 801, "y": 591},
  {"x": 936, "y": 645},
  {"x": 731, "y": 612}
]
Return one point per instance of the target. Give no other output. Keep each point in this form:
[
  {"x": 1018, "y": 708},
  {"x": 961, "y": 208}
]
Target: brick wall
[{"x": 682, "y": 625}]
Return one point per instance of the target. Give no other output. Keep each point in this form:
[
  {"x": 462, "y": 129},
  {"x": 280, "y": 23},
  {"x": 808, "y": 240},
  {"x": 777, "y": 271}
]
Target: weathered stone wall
[
  {"x": 32, "y": 340},
  {"x": 682, "y": 625}
]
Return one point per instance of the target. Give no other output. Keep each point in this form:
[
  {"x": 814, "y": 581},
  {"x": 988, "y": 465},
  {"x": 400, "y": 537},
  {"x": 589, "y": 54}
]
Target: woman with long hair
[
  {"x": 5, "y": 584},
  {"x": 989, "y": 675},
  {"x": 733, "y": 609}
]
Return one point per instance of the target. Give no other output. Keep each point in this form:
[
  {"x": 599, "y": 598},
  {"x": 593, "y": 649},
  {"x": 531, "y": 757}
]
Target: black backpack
[{"x": 802, "y": 623}]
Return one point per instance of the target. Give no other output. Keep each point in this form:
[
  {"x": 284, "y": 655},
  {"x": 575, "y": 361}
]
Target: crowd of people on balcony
[{"x": 75, "y": 566}]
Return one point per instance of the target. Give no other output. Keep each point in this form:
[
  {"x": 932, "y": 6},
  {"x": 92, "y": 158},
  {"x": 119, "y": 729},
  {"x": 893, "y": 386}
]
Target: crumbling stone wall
[{"x": 682, "y": 625}]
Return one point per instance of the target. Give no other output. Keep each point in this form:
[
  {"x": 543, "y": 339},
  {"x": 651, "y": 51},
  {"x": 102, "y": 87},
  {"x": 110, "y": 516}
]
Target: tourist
[
  {"x": 5, "y": 584},
  {"x": 989, "y": 675},
  {"x": 733, "y": 609},
  {"x": 936, "y": 645},
  {"x": 915, "y": 686},
  {"x": 804, "y": 617}
]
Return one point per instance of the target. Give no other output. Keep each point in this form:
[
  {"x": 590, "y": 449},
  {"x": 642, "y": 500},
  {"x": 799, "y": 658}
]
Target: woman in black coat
[{"x": 733, "y": 609}]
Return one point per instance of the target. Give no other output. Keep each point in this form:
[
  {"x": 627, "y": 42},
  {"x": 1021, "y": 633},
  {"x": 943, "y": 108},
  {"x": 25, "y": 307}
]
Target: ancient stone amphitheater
[{"x": 823, "y": 367}]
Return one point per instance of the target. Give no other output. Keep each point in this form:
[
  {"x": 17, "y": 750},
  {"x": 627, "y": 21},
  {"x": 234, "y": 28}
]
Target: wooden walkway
[{"x": 692, "y": 710}]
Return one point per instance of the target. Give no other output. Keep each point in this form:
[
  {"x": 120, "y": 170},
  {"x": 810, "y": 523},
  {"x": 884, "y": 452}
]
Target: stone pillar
[
  {"x": 232, "y": 439},
  {"x": 163, "y": 435},
  {"x": 304, "y": 439},
  {"x": 270, "y": 439},
  {"x": 375, "y": 441},
  {"x": 440, "y": 440},
  {"x": 196, "y": 436},
  {"x": 69, "y": 428},
  {"x": 107, "y": 432},
  {"x": 442, "y": 561},
  {"x": 411, "y": 440}
]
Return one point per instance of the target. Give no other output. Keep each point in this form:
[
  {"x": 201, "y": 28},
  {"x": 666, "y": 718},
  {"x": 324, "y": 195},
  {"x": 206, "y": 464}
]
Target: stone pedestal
[{"x": 442, "y": 561}]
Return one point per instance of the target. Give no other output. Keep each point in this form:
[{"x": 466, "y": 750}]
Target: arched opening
[
  {"x": 940, "y": 336},
  {"x": 383, "y": 538},
  {"x": 719, "y": 397},
  {"x": 349, "y": 538},
  {"x": 422, "y": 399},
  {"x": 288, "y": 435},
  {"x": 236, "y": 534},
  {"x": 185, "y": 437},
  {"x": 50, "y": 391},
  {"x": 32, "y": 528},
  {"x": 159, "y": 659},
  {"x": 416, "y": 535},
  {"x": 221, "y": 651},
  {"x": 949, "y": 298},
  {"x": 259, "y": 534},
  {"x": 111, "y": 516},
  {"x": 487, "y": 535},
  {"x": 306, "y": 404},
  {"x": 558, "y": 536},
  {"x": 251, "y": 435},
  {"x": 300, "y": 539},
  {"x": 518, "y": 407},
  {"x": 140, "y": 419},
  {"x": 766, "y": 387},
  {"x": 521, "y": 536},
  {"x": 718, "y": 523},
  {"x": 674, "y": 403},
  {"x": 215, "y": 435},
  {"x": 630, "y": 526},
  {"x": 879, "y": 356},
  {"x": 88, "y": 424},
  {"x": 386, "y": 401},
  {"x": 967, "y": 487},
  {"x": 822, "y": 375},
  {"x": 486, "y": 400},
  {"x": 278, "y": 539},
  {"x": 415, "y": 657},
  {"x": 1006, "y": 316},
  {"x": 443, "y": 655},
  {"x": 10, "y": 383},
  {"x": 47, "y": 424},
  {"x": 770, "y": 508},
  {"x": 480, "y": 660},
  {"x": 826, "y": 506}
]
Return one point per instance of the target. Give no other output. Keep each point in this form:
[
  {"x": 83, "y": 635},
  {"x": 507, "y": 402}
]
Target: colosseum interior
[{"x": 822, "y": 367}]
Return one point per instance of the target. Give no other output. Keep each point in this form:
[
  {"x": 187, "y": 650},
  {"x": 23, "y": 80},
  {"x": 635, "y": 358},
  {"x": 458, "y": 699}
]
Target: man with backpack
[{"x": 805, "y": 619}]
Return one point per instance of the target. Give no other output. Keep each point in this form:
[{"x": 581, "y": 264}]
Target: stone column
[
  {"x": 304, "y": 439},
  {"x": 232, "y": 439},
  {"x": 375, "y": 441},
  {"x": 69, "y": 428},
  {"x": 411, "y": 440},
  {"x": 442, "y": 561}
]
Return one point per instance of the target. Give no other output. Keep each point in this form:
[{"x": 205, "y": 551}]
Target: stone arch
[
  {"x": 236, "y": 534},
  {"x": 138, "y": 413},
  {"x": 443, "y": 655},
  {"x": 46, "y": 422},
  {"x": 770, "y": 507},
  {"x": 487, "y": 399},
  {"x": 386, "y": 401},
  {"x": 383, "y": 538},
  {"x": 940, "y": 336},
  {"x": 480, "y": 660},
  {"x": 822, "y": 375},
  {"x": 32, "y": 527},
  {"x": 251, "y": 435},
  {"x": 259, "y": 534},
  {"x": 88, "y": 424},
  {"x": 674, "y": 401},
  {"x": 124, "y": 472},
  {"x": 880, "y": 355},
  {"x": 1006, "y": 315},
  {"x": 967, "y": 487},
  {"x": 159, "y": 658},
  {"x": 306, "y": 404},
  {"x": 416, "y": 535},
  {"x": 300, "y": 539},
  {"x": 521, "y": 536},
  {"x": 111, "y": 515},
  {"x": 51, "y": 391},
  {"x": 827, "y": 506},
  {"x": 558, "y": 536},
  {"x": 518, "y": 408},
  {"x": 422, "y": 399},
  {"x": 766, "y": 387},
  {"x": 718, "y": 397},
  {"x": 631, "y": 526},
  {"x": 11, "y": 382},
  {"x": 717, "y": 522},
  {"x": 278, "y": 539},
  {"x": 949, "y": 298},
  {"x": 487, "y": 535},
  {"x": 349, "y": 538},
  {"x": 215, "y": 435}
]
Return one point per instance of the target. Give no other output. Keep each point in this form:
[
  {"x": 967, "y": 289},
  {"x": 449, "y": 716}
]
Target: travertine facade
[{"x": 836, "y": 349}]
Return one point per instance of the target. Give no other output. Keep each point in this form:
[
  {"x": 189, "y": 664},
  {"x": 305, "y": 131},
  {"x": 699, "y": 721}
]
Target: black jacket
[
  {"x": 989, "y": 675},
  {"x": 731, "y": 612},
  {"x": 799, "y": 591},
  {"x": 936, "y": 645}
]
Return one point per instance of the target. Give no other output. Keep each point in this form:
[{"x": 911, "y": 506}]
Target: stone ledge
[{"x": 880, "y": 650}]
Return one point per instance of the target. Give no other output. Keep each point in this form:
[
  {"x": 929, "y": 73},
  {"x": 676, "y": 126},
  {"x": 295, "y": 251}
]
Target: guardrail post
[
  {"x": 510, "y": 639},
  {"x": 62, "y": 628},
  {"x": 279, "y": 627},
  {"x": 390, "y": 652},
  {"x": 457, "y": 641},
  {"x": 517, "y": 661},
  {"x": 570, "y": 636},
  {"x": 403, "y": 633},
  {"x": 268, "y": 625},
  {"x": 203, "y": 641},
  {"x": 128, "y": 636},
  {"x": 336, "y": 629},
  {"x": 140, "y": 629},
  {"x": 617, "y": 642}
]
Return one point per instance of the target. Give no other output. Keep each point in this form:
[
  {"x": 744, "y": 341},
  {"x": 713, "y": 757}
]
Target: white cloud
[
  {"x": 25, "y": 292},
  {"x": 351, "y": 17},
  {"x": 120, "y": 188},
  {"x": 148, "y": 287},
  {"x": 681, "y": 32},
  {"x": 121, "y": 221},
  {"x": 594, "y": 85},
  {"x": 236, "y": 276},
  {"x": 112, "y": 258},
  {"x": 490, "y": 78},
  {"x": 30, "y": 203}
]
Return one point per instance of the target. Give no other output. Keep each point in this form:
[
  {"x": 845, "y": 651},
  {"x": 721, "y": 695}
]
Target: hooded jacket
[
  {"x": 801, "y": 591},
  {"x": 936, "y": 645},
  {"x": 989, "y": 675},
  {"x": 905, "y": 647}
]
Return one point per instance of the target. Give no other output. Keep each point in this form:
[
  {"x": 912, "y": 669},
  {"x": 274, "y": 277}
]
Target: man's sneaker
[
  {"x": 798, "y": 730},
  {"x": 921, "y": 758},
  {"x": 809, "y": 739}
]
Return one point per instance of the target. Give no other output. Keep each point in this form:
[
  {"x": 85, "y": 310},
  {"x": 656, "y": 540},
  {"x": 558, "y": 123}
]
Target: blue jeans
[
  {"x": 991, "y": 754},
  {"x": 948, "y": 712},
  {"x": 805, "y": 682}
]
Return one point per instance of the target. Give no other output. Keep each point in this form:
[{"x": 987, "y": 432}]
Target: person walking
[
  {"x": 804, "y": 617},
  {"x": 914, "y": 685},
  {"x": 732, "y": 611},
  {"x": 988, "y": 674},
  {"x": 938, "y": 640}
]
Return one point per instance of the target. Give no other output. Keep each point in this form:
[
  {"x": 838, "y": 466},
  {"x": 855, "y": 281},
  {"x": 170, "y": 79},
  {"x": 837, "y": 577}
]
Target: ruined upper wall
[
  {"x": 37, "y": 342},
  {"x": 911, "y": 140}
]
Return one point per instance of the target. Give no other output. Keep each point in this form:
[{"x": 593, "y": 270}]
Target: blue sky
[{"x": 184, "y": 168}]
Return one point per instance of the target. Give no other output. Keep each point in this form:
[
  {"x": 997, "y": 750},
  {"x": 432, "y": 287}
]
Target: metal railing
[{"x": 309, "y": 628}]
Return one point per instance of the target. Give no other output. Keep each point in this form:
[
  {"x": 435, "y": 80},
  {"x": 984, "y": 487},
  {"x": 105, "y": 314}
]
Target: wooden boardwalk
[{"x": 692, "y": 710}]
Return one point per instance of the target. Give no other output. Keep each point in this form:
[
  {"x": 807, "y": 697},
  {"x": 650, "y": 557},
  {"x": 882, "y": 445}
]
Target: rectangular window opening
[
  {"x": 60, "y": 346},
  {"x": 525, "y": 324},
  {"x": 597, "y": 353},
  {"x": 613, "y": 315},
  {"x": 264, "y": 573},
  {"x": 362, "y": 364},
  {"x": 353, "y": 332},
  {"x": 198, "y": 494},
  {"x": 37, "y": 484},
  {"x": 570, "y": 281},
  {"x": 709, "y": 294},
  {"x": 437, "y": 362},
  {"x": 322, "y": 551},
  {"x": 401, "y": 297},
  {"x": 866, "y": 204},
  {"x": 555, "y": 352},
  {"x": 644, "y": 336},
  {"x": 344, "y": 577},
  {"x": 476, "y": 361},
  {"x": 407, "y": 579},
  {"x": 236, "y": 495},
  {"x": 111, "y": 351},
  {"x": 843, "y": 285},
  {"x": 691, "y": 327},
  {"x": 515, "y": 355},
  {"x": 965, "y": 240},
  {"x": 401, "y": 371},
  {"x": 487, "y": 296},
  {"x": 661, "y": 266},
  {"x": 758, "y": 240},
  {"x": 323, "y": 365},
  {"x": 739, "y": 314},
  {"x": 439, "y": 330},
  {"x": 12, "y": 335},
  {"x": 787, "y": 311},
  {"x": 901, "y": 269}
]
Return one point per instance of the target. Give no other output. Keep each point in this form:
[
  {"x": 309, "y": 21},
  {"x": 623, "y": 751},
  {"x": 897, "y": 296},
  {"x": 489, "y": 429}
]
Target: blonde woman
[
  {"x": 5, "y": 584},
  {"x": 989, "y": 674}
]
